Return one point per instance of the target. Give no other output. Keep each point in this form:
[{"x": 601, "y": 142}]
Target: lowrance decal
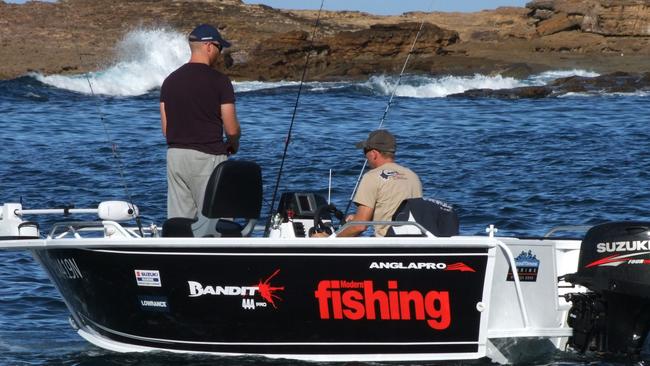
[
  {"x": 148, "y": 278},
  {"x": 253, "y": 296},
  {"x": 422, "y": 266},
  {"x": 623, "y": 246},
  {"x": 364, "y": 300},
  {"x": 153, "y": 303}
]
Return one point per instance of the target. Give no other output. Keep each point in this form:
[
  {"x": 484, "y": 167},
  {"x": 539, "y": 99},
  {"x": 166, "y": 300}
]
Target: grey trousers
[{"x": 188, "y": 172}]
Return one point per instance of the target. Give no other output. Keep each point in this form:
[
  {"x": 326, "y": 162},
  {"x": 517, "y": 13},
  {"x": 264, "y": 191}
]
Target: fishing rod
[
  {"x": 293, "y": 118},
  {"x": 383, "y": 117},
  {"x": 114, "y": 150}
]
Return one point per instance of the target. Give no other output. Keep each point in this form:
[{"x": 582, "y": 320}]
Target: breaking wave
[
  {"x": 142, "y": 65},
  {"x": 145, "y": 58},
  {"x": 548, "y": 76},
  {"x": 430, "y": 87},
  {"x": 438, "y": 87}
]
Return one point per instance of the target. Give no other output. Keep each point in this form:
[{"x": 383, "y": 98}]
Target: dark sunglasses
[
  {"x": 220, "y": 47},
  {"x": 366, "y": 150}
]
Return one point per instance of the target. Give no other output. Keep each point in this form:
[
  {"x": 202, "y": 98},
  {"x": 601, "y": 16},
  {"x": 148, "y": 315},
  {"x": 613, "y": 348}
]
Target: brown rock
[
  {"x": 606, "y": 17},
  {"x": 541, "y": 5},
  {"x": 75, "y": 36},
  {"x": 543, "y": 14},
  {"x": 558, "y": 23},
  {"x": 352, "y": 54},
  {"x": 618, "y": 82},
  {"x": 526, "y": 92},
  {"x": 518, "y": 71}
]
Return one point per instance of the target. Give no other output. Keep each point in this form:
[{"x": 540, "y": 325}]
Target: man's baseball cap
[
  {"x": 381, "y": 140},
  {"x": 207, "y": 33}
]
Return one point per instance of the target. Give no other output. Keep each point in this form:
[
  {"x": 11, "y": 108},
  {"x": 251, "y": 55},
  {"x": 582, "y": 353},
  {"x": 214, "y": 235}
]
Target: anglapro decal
[{"x": 460, "y": 266}]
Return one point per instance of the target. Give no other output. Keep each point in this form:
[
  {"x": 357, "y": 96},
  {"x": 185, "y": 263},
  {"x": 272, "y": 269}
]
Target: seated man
[{"x": 383, "y": 188}]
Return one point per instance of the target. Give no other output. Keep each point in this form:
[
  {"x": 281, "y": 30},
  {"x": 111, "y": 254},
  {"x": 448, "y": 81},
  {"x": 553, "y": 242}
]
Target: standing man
[
  {"x": 197, "y": 106},
  {"x": 383, "y": 188}
]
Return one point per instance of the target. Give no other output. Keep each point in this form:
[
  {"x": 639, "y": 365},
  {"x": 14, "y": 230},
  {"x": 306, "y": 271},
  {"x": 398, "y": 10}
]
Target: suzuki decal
[
  {"x": 148, "y": 278},
  {"x": 623, "y": 246},
  {"x": 617, "y": 260}
]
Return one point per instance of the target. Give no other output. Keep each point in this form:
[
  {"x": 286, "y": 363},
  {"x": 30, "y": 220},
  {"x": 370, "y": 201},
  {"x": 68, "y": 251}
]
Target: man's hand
[
  {"x": 364, "y": 213},
  {"x": 231, "y": 127},
  {"x": 232, "y": 146}
]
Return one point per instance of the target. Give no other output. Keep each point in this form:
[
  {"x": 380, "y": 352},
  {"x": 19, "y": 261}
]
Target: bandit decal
[
  {"x": 267, "y": 291},
  {"x": 263, "y": 289}
]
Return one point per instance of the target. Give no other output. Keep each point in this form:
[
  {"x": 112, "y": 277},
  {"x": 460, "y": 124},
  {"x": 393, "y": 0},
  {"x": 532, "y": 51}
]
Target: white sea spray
[
  {"x": 144, "y": 58},
  {"x": 437, "y": 87}
]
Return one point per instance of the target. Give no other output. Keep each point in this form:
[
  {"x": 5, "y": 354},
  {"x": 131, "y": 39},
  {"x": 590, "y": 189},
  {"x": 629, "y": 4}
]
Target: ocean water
[{"x": 523, "y": 165}]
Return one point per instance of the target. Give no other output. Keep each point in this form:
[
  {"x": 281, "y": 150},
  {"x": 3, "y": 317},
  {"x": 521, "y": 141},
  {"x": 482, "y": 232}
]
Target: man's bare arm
[
  {"x": 231, "y": 126},
  {"x": 163, "y": 119},
  {"x": 364, "y": 213}
]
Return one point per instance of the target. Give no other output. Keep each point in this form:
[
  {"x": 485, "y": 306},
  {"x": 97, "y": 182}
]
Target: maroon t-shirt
[{"x": 193, "y": 95}]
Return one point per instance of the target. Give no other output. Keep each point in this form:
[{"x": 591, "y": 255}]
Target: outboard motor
[{"x": 614, "y": 317}]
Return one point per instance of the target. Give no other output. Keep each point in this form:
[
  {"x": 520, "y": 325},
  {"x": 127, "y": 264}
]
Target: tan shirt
[{"x": 384, "y": 188}]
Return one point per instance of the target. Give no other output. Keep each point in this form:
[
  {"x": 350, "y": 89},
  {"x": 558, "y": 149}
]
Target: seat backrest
[
  {"x": 178, "y": 227},
  {"x": 438, "y": 217},
  {"x": 234, "y": 190}
]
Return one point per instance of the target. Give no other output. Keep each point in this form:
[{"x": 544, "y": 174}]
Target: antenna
[
  {"x": 293, "y": 118},
  {"x": 329, "y": 189},
  {"x": 383, "y": 117}
]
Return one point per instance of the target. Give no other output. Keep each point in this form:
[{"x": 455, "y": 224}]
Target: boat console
[{"x": 299, "y": 213}]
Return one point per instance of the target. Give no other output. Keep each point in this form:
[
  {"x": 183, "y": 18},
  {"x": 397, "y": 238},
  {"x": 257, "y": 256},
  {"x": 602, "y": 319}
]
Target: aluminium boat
[{"x": 220, "y": 286}]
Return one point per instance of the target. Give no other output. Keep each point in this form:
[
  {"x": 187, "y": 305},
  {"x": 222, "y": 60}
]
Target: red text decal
[{"x": 355, "y": 300}]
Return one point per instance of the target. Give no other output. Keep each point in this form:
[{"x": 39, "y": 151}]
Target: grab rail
[
  {"x": 515, "y": 276},
  {"x": 574, "y": 228},
  {"x": 423, "y": 231},
  {"x": 109, "y": 228}
]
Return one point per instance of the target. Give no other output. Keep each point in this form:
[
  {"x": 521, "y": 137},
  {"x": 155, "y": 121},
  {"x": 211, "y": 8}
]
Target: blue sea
[{"x": 523, "y": 165}]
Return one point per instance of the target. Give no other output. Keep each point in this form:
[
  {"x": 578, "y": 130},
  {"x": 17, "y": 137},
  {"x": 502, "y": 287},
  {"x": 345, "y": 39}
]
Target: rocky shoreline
[{"x": 76, "y": 36}]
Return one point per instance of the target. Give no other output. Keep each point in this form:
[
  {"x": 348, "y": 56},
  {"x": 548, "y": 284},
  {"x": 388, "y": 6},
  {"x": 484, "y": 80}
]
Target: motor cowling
[{"x": 613, "y": 318}]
